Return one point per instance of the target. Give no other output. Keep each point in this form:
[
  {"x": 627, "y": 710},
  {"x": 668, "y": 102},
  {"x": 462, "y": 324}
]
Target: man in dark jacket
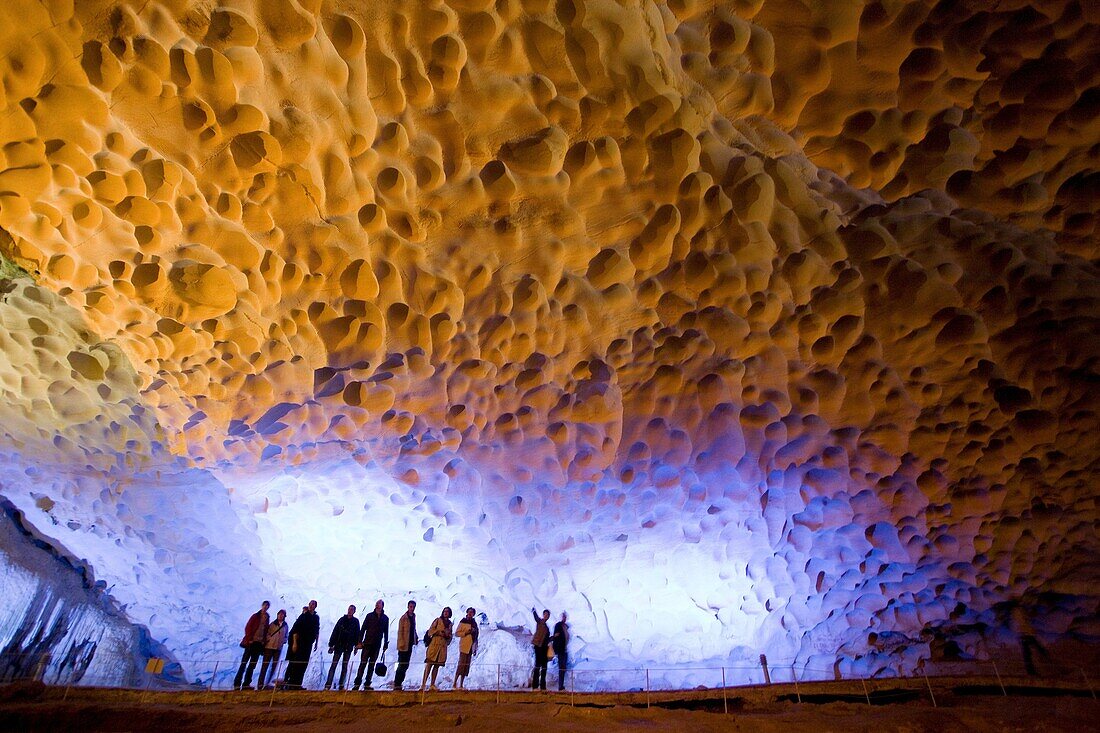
[
  {"x": 303, "y": 639},
  {"x": 406, "y": 642},
  {"x": 540, "y": 641},
  {"x": 341, "y": 642},
  {"x": 375, "y": 636},
  {"x": 255, "y": 634},
  {"x": 560, "y": 642}
]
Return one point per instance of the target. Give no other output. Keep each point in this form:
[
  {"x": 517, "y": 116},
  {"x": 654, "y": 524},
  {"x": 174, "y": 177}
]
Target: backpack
[{"x": 427, "y": 638}]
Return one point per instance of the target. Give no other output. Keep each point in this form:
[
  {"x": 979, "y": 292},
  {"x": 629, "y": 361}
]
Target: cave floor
[{"x": 961, "y": 704}]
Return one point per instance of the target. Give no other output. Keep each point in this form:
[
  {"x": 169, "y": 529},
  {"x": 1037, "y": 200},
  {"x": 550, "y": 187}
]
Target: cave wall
[
  {"x": 728, "y": 328},
  {"x": 59, "y": 625}
]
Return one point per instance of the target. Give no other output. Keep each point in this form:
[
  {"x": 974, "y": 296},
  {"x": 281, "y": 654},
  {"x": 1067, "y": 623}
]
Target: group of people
[{"x": 264, "y": 639}]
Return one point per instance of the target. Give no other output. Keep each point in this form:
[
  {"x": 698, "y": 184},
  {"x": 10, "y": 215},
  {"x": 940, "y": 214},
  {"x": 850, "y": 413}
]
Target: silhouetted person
[
  {"x": 375, "y": 636},
  {"x": 303, "y": 640},
  {"x": 467, "y": 633},
  {"x": 940, "y": 647},
  {"x": 277, "y": 631},
  {"x": 1021, "y": 620},
  {"x": 439, "y": 638},
  {"x": 341, "y": 642},
  {"x": 406, "y": 642},
  {"x": 540, "y": 641},
  {"x": 560, "y": 642},
  {"x": 255, "y": 633}
]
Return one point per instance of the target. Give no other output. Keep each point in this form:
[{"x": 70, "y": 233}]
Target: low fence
[{"x": 213, "y": 676}]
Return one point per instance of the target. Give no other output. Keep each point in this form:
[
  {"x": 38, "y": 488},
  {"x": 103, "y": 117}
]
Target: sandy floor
[{"x": 33, "y": 708}]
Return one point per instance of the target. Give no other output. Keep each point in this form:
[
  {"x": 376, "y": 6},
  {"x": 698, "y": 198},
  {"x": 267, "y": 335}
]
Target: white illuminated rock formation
[{"x": 727, "y": 327}]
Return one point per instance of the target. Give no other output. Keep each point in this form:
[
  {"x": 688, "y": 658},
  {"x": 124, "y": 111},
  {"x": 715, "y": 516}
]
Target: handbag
[
  {"x": 380, "y": 668},
  {"x": 549, "y": 653}
]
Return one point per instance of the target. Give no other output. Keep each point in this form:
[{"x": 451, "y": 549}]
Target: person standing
[
  {"x": 540, "y": 641},
  {"x": 406, "y": 642},
  {"x": 303, "y": 639},
  {"x": 375, "y": 635},
  {"x": 438, "y": 638},
  {"x": 467, "y": 633},
  {"x": 255, "y": 633},
  {"x": 277, "y": 632},
  {"x": 341, "y": 642},
  {"x": 560, "y": 642},
  {"x": 1029, "y": 644}
]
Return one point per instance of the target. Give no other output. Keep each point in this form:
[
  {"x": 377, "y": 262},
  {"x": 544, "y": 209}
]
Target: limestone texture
[
  {"x": 59, "y": 625},
  {"x": 727, "y": 327}
]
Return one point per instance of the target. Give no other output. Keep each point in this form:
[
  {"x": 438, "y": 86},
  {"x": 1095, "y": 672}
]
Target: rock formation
[{"x": 729, "y": 327}]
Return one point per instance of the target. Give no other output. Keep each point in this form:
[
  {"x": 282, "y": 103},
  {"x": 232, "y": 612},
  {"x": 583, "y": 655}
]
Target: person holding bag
[
  {"x": 375, "y": 637},
  {"x": 438, "y": 638},
  {"x": 277, "y": 632}
]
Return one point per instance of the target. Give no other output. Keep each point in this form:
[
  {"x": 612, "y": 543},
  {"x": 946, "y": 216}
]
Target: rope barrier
[{"x": 498, "y": 677}]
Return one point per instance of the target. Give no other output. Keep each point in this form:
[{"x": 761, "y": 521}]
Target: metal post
[
  {"x": 794, "y": 676},
  {"x": 725, "y": 700},
  {"x": 68, "y": 685},
  {"x": 210, "y": 687},
  {"x": 865, "y": 693},
  {"x": 498, "y": 684},
  {"x": 40, "y": 668},
  {"x": 930, "y": 691},
  {"x": 1087, "y": 682},
  {"x": 572, "y": 687},
  {"x": 274, "y": 673},
  {"x": 647, "y": 688},
  {"x": 764, "y": 666},
  {"x": 999, "y": 682},
  {"x": 148, "y": 687}
]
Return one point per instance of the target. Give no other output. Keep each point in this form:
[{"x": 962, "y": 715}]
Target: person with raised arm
[{"x": 540, "y": 641}]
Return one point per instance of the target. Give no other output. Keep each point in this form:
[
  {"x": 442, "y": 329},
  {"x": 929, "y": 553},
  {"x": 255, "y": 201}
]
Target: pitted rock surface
[{"x": 727, "y": 327}]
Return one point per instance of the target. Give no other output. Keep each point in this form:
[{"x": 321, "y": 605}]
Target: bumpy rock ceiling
[{"x": 727, "y": 326}]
